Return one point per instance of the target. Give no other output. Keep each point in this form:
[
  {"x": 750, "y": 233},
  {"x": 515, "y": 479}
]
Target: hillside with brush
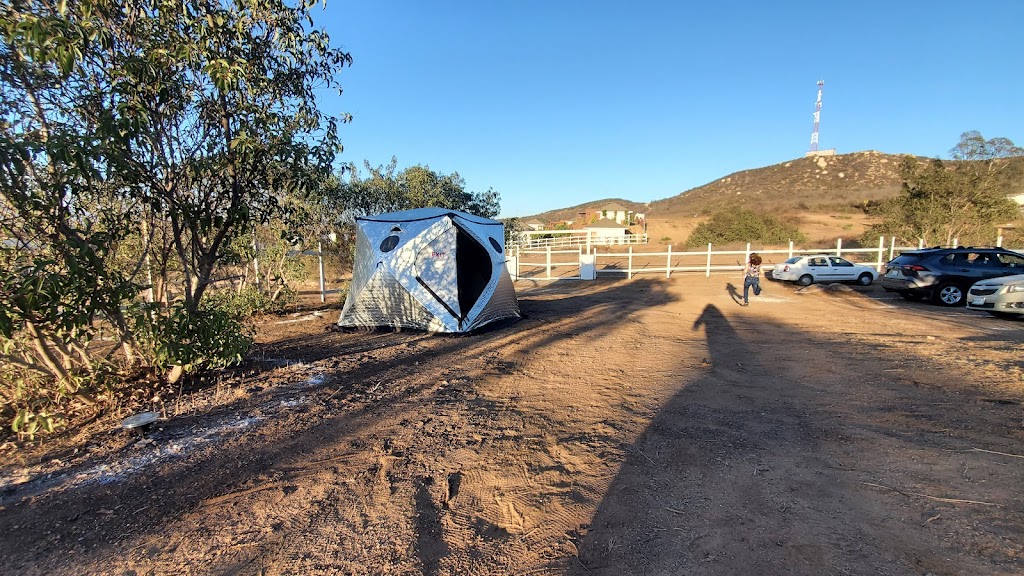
[
  {"x": 824, "y": 195},
  {"x": 819, "y": 184}
]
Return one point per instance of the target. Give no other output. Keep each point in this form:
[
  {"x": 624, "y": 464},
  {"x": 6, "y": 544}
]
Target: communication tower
[{"x": 817, "y": 118}]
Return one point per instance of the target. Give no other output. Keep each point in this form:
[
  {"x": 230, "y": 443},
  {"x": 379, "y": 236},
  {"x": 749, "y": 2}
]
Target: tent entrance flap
[
  {"x": 437, "y": 271},
  {"x": 474, "y": 270}
]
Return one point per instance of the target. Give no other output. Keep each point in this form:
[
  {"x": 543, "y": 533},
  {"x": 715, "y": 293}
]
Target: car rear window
[
  {"x": 793, "y": 260},
  {"x": 904, "y": 259}
]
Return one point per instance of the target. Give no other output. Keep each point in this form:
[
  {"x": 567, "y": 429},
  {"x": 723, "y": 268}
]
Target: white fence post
[
  {"x": 881, "y": 251},
  {"x": 549, "y": 262},
  {"x": 790, "y": 250},
  {"x": 892, "y": 247},
  {"x": 920, "y": 243},
  {"x": 746, "y": 257},
  {"x": 839, "y": 247},
  {"x": 629, "y": 273},
  {"x": 707, "y": 271},
  {"x": 668, "y": 265},
  {"x": 956, "y": 242},
  {"x": 320, "y": 257},
  {"x": 999, "y": 239}
]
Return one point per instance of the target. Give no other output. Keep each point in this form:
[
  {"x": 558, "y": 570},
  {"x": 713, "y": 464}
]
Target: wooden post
[
  {"x": 255, "y": 261},
  {"x": 629, "y": 272},
  {"x": 149, "y": 265},
  {"x": 707, "y": 270},
  {"x": 549, "y": 261},
  {"x": 320, "y": 257},
  {"x": 668, "y": 265}
]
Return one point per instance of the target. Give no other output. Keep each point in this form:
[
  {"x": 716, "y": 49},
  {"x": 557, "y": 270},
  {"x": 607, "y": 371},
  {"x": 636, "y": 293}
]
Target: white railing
[
  {"x": 707, "y": 261},
  {"x": 531, "y": 239},
  {"x": 551, "y": 260}
]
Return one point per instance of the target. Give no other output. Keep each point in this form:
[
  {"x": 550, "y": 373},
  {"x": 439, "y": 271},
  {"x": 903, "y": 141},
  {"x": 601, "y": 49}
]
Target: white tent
[{"x": 430, "y": 269}]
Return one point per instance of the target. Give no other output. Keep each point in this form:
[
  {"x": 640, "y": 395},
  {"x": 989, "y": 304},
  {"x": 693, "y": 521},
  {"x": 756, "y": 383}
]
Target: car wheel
[
  {"x": 1004, "y": 315},
  {"x": 911, "y": 296},
  {"x": 949, "y": 294},
  {"x": 865, "y": 279},
  {"x": 805, "y": 280}
]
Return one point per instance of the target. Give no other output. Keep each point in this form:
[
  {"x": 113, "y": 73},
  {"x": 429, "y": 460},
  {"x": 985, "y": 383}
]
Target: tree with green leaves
[
  {"x": 384, "y": 190},
  {"x": 973, "y": 146},
  {"x": 940, "y": 203},
  {"x": 130, "y": 128}
]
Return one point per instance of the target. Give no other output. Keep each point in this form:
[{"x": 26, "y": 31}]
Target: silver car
[{"x": 1001, "y": 297}]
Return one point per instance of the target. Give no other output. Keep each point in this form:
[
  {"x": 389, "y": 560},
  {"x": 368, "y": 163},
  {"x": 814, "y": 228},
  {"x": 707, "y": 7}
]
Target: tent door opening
[{"x": 455, "y": 269}]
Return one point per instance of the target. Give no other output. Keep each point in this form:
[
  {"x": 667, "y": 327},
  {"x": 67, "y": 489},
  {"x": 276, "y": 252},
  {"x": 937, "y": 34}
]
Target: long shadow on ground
[{"x": 754, "y": 470}]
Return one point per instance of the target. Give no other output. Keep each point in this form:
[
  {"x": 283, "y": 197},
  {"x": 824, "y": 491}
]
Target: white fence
[
  {"x": 549, "y": 264},
  {"x": 533, "y": 239}
]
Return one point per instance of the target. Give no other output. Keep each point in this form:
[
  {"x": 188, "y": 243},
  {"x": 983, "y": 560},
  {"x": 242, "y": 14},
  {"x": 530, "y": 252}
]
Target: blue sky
[{"x": 554, "y": 103}]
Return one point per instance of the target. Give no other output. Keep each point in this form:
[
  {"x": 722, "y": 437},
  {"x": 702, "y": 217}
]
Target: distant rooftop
[{"x": 605, "y": 223}]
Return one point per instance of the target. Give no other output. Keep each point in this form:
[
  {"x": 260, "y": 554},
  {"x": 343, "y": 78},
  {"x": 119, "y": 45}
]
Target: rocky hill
[{"x": 820, "y": 184}]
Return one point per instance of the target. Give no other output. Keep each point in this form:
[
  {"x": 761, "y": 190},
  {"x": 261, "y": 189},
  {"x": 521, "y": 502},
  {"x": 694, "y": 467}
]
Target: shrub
[
  {"x": 215, "y": 338},
  {"x": 741, "y": 225},
  {"x": 251, "y": 301}
]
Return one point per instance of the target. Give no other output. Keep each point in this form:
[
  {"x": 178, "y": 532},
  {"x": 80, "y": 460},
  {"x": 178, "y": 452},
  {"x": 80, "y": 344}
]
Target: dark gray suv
[{"x": 946, "y": 274}]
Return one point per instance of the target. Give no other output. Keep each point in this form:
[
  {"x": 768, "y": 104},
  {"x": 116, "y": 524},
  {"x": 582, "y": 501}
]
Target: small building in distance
[
  {"x": 534, "y": 224},
  {"x": 606, "y": 230},
  {"x": 616, "y": 212}
]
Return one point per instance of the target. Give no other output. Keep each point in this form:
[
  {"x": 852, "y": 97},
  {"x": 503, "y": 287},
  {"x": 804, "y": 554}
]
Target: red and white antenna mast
[{"x": 817, "y": 118}]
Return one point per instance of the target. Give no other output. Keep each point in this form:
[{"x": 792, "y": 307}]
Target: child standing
[{"x": 752, "y": 276}]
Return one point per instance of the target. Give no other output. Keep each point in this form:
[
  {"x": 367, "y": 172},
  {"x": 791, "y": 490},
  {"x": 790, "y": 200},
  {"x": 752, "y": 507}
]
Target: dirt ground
[{"x": 649, "y": 426}]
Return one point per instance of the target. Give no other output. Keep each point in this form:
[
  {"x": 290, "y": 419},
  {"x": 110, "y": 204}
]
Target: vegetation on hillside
[
  {"x": 940, "y": 203},
  {"x": 742, "y": 225}
]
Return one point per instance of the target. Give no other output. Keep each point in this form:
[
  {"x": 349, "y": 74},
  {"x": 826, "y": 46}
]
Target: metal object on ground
[{"x": 141, "y": 422}]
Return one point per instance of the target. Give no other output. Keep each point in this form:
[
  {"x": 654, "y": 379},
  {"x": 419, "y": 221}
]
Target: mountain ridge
[{"x": 816, "y": 183}]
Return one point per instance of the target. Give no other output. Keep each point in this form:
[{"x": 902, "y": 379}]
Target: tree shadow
[{"x": 415, "y": 373}]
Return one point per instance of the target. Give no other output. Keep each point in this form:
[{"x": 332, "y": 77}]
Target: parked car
[
  {"x": 1001, "y": 297},
  {"x": 945, "y": 274},
  {"x": 823, "y": 268}
]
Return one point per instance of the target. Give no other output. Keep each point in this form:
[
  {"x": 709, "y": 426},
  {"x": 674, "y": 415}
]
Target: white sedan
[
  {"x": 823, "y": 268},
  {"x": 1001, "y": 297}
]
